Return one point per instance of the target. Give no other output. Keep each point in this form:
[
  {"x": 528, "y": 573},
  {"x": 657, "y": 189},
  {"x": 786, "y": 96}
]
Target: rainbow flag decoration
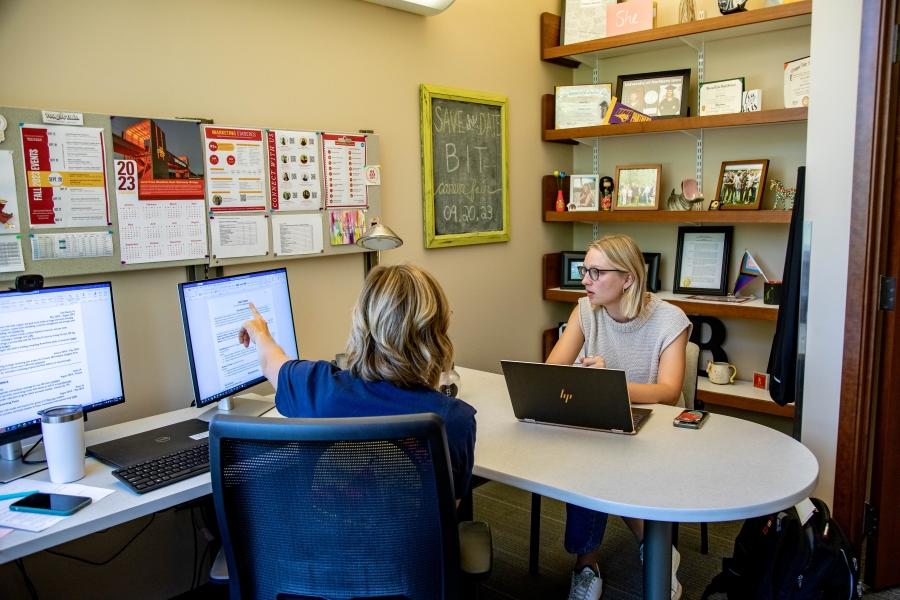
[{"x": 749, "y": 271}]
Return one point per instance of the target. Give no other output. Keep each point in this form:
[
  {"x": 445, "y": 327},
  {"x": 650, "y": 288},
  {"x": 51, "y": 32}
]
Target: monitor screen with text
[
  {"x": 213, "y": 312},
  {"x": 58, "y": 347}
]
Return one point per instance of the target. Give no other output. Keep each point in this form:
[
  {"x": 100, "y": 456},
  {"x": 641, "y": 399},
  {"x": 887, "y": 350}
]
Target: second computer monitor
[{"x": 213, "y": 312}]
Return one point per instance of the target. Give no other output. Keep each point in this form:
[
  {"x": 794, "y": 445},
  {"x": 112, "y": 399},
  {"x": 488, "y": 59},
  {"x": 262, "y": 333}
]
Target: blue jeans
[{"x": 584, "y": 529}]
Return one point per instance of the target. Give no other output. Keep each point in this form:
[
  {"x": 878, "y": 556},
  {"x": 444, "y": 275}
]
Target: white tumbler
[{"x": 63, "y": 430}]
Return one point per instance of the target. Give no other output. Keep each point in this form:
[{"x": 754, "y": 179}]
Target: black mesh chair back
[{"x": 336, "y": 509}]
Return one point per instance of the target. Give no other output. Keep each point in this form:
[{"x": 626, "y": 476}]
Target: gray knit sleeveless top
[{"x": 635, "y": 346}]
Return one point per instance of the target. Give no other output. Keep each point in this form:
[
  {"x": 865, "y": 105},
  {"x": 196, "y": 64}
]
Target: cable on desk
[
  {"x": 111, "y": 558},
  {"x": 28, "y": 585},
  {"x": 33, "y": 462},
  {"x": 194, "y": 530}
]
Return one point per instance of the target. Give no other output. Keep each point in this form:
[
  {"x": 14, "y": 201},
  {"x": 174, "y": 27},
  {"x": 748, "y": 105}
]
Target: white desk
[
  {"x": 116, "y": 508},
  {"x": 730, "y": 469}
]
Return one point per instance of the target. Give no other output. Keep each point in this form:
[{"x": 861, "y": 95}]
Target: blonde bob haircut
[
  {"x": 399, "y": 329},
  {"x": 623, "y": 254}
]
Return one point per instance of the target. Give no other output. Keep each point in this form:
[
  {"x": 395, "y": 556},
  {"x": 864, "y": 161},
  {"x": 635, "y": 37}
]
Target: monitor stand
[
  {"x": 241, "y": 407},
  {"x": 11, "y": 465}
]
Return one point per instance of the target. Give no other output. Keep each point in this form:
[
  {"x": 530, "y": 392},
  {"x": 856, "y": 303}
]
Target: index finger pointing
[{"x": 255, "y": 312}]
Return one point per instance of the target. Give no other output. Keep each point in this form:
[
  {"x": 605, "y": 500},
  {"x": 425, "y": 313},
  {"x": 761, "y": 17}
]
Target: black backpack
[{"x": 777, "y": 558}]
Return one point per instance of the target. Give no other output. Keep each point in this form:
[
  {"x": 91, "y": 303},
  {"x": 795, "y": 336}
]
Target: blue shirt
[{"x": 319, "y": 390}]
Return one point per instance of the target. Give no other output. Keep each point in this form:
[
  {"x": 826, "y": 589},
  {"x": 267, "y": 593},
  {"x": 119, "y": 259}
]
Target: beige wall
[{"x": 318, "y": 64}]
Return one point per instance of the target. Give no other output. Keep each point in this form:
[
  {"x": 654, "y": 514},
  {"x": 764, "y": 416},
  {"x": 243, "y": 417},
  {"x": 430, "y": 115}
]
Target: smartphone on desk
[
  {"x": 691, "y": 419},
  {"x": 59, "y": 505}
]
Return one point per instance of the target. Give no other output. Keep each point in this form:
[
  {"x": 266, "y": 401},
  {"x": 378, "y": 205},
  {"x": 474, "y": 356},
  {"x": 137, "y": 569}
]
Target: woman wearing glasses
[{"x": 620, "y": 326}]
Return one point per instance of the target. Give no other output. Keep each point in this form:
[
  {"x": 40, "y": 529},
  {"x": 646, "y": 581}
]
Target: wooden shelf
[
  {"x": 548, "y": 192},
  {"x": 671, "y": 216},
  {"x": 755, "y": 309},
  {"x": 741, "y": 394},
  {"x": 774, "y": 18},
  {"x": 744, "y": 119}
]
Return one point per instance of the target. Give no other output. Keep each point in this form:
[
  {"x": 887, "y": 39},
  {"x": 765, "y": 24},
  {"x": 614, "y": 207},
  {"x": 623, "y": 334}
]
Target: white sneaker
[
  {"x": 586, "y": 585},
  {"x": 676, "y": 562}
]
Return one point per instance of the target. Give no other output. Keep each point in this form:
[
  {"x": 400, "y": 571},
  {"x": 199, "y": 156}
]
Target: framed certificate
[
  {"x": 663, "y": 94},
  {"x": 796, "y": 83},
  {"x": 721, "y": 97},
  {"x": 582, "y": 105},
  {"x": 701, "y": 263}
]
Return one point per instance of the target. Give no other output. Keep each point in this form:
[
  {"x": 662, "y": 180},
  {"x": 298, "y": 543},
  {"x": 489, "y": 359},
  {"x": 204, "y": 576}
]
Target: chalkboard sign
[{"x": 465, "y": 167}]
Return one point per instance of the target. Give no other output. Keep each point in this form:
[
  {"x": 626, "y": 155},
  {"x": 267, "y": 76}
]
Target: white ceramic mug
[
  {"x": 63, "y": 431},
  {"x": 719, "y": 372}
]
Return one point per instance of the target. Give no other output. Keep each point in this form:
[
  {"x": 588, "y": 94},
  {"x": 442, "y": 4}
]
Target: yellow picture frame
[{"x": 432, "y": 239}]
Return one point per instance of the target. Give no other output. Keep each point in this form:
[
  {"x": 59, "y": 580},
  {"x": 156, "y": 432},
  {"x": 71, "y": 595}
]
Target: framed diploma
[
  {"x": 582, "y": 105},
  {"x": 721, "y": 97},
  {"x": 701, "y": 262},
  {"x": 796, "y": 83}
]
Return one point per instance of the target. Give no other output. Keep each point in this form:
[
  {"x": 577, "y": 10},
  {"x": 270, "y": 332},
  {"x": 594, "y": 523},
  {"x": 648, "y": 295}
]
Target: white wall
[{"x": 829, "y": 158}]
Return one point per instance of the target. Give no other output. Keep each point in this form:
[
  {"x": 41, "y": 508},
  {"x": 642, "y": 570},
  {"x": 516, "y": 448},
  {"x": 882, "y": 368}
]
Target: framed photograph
[
  {"x": 569, "y": 277},
  {"x": 661, "y": 95},
  {"x": 582, "y": 105},
  {"x": 701, "y": 260},
  {"x": 583, "y": 192},
  {"x": 637, "y": 187},
  {"x": 651, "y": 268},
  {"x": 742, "y": 184}
]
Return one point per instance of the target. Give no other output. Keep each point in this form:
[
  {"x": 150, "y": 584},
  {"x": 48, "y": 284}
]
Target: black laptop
[
  {"x": 141, "y": 447},
  {"x": 568, "y": 396}
]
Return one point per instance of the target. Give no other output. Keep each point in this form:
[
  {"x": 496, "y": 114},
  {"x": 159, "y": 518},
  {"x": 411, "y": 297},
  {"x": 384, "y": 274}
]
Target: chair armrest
[{"x": 476, "y": 552}]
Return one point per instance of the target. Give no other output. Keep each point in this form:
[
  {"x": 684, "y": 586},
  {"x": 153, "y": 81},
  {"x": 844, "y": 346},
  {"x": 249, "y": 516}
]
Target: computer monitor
[
  {"x": 58, "y": 346},
  {"x": 213, "y": 312}
]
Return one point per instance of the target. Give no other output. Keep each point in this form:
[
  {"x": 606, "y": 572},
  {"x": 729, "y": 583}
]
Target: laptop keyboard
[
  {"x": 165, "y": 470},
  {"x": 638, "y": 419}
]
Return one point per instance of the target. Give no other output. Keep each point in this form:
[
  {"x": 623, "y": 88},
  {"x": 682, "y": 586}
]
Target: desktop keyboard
[{"x": 164, "y": 470}]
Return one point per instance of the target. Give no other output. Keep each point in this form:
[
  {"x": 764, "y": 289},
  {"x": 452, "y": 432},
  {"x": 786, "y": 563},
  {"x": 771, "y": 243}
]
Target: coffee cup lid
[{"x": 61, "y": 414}]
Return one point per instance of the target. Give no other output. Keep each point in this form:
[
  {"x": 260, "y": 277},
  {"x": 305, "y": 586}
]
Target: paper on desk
[
  {"x": 5, "y": 532},
  {"x": 35, "y": 522}
]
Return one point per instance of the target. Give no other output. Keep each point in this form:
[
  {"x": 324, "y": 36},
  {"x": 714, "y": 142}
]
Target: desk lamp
[
  {"x": 377, "y": 238},
  {"x": 429, "y": 8}
]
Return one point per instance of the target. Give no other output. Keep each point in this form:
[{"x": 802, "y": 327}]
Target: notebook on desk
[{"x": 580, "y": 397}]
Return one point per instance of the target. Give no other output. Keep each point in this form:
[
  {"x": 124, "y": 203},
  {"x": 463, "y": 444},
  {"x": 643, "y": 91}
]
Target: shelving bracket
[
  {"x": 692, "y": 42},
  {"x": 596, "y": 149}
]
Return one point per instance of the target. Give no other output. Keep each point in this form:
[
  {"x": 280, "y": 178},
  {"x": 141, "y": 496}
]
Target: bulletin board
[
  {"x": 116, "y": 263},
  {"x": 68, "y": 266},
  {"x": 373, "y": 157}
]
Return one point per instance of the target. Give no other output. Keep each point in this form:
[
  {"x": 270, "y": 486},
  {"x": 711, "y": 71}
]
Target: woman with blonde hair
[
  {"x": 397, "y": 350},
  {"x": 620, "y": 326}
]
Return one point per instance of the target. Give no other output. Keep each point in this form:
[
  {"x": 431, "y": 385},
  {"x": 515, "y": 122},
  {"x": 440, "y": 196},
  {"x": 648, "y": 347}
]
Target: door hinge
[
  {"x": 887, "y": 292},
  {"x": 870, "y": 520}
]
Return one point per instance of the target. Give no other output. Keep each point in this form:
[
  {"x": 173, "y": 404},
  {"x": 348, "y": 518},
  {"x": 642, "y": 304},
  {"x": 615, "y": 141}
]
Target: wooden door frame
[{"x": 870, "y": 213}]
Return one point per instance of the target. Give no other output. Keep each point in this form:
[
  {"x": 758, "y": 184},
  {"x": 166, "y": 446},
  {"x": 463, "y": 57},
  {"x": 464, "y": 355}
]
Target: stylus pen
[{"x": 17, "y": 495}]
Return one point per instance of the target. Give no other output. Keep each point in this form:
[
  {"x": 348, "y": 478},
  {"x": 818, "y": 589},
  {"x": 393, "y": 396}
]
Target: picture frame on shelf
[
  {"x": 583, "y": 192},
  {"x": 569, "y": 277},
  {"x": 581, "y": 105},
  {"x": 661, "y": 95},
  {"x": 702, "y": 260},
  {"x": 651, "y": 266},
  {"x": 742, "y": 184},
  {"x": 637, "y": 187}
]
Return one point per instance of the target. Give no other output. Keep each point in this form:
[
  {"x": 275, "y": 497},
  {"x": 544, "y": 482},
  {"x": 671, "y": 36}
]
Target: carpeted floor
[{"x": 508, "y": 511}]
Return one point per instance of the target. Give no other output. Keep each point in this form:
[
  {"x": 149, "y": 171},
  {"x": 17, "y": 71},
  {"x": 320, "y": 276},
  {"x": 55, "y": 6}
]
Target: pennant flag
[
  {"x": 749, "y": 271},
  {"x": 619, "y": 113}
]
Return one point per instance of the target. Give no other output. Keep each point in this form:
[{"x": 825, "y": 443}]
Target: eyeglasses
[{"x": 595, "y": 272}]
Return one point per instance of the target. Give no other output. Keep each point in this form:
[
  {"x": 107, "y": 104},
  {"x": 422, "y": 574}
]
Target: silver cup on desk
[{"x": 63, "y": 431}]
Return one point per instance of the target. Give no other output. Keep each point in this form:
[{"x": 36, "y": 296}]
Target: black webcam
[{"x": 29, "y": 283}]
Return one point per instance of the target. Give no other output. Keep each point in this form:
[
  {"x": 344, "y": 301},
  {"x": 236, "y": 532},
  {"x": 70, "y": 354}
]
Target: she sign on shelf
[{"x": 635, "y": 15}]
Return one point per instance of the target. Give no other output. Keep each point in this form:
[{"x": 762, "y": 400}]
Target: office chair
[{"x": 341, "y": 509}]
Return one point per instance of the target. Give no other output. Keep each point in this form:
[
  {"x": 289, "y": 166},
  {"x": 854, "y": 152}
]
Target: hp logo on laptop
[
  {"x": 163, "y": 439},
  {"x": 563, "y": 394}
]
